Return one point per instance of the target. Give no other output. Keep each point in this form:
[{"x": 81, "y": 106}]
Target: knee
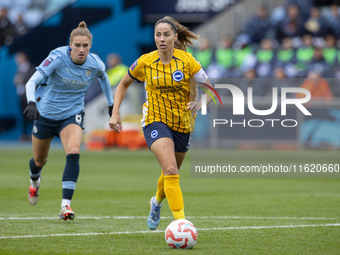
[
  {"x": 73, "y": 150},
  {"x": 171, "y": 170}
]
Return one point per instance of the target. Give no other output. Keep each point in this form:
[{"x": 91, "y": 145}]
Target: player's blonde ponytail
[
  {"x": 184, "y": 35},
  {"x": 81, "y": 30}
]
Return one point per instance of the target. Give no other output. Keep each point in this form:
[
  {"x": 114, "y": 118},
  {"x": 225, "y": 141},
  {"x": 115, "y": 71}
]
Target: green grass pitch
[{"x": 111, "y": 202}]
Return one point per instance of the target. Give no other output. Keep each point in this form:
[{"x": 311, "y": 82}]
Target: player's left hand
[
  {"x": 194, "y": 106},
  {"x": 110, "y": 110}
]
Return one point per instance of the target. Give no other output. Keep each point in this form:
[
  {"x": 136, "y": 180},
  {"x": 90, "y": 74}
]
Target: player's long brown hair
[
  {"x": 81, "y": 30},
  {"x": 184, "y": 35}
]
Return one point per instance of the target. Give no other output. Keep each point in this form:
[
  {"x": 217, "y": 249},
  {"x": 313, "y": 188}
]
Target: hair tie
[{"x": 171, "y": 23}]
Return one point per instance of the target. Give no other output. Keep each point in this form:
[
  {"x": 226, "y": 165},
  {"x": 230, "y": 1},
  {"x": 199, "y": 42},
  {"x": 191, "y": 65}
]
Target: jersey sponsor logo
[
  {"x": 48, "y": 61},
  {"x": 133, "y": 65},
  {"x": 177, "y": 75},
  {"x": 154, "y": 133}
]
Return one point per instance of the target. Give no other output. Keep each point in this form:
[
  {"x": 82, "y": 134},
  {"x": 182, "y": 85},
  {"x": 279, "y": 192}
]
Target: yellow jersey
[{"x": 169, "y": 88}]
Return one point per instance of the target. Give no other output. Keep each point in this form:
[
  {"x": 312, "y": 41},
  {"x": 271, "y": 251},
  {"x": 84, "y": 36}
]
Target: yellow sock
[
  {"x": 160, "y": 195},
  {"x": 174, "y": 195}
]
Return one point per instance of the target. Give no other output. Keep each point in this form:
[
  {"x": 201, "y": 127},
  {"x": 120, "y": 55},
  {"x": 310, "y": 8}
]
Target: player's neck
[{"x": 165, "y": 56}]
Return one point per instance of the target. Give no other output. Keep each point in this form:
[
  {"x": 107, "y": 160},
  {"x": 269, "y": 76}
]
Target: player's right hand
[
  {"x": 115, "y": 123},
  {"x": 31, "y": 111}
]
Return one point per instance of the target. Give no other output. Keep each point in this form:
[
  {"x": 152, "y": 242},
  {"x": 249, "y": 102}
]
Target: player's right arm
[
  {"x": 115, "y": 122},
  {"x": 31, "y": 111},
  {"x": 135, "y": 72}
]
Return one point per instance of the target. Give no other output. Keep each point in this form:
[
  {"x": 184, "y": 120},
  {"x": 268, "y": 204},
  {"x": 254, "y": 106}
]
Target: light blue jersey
[{"x": 66, "y": 84}]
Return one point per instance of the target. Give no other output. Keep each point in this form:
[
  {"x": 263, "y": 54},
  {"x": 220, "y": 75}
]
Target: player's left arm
[
  {"x": 200, "y": 78},
  {"x": 106, "y": 87}
]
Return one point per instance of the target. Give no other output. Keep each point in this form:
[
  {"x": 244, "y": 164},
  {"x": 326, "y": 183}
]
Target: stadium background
[
  {"x": 234, "y": 215},
  {"x": 126, "y": 27}
]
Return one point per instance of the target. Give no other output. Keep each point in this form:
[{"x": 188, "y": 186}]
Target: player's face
[
  {"x": 80, "y": 48},
  {"x": 165, "y": 37}
]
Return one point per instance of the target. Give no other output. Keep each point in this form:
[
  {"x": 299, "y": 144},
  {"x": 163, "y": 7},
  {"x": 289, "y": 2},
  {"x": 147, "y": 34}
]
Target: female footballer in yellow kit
[{"x": 166, "y": 74}]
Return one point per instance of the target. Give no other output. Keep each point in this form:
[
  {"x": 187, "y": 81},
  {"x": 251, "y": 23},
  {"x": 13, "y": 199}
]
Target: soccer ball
[{"x": 181, "y": 234}]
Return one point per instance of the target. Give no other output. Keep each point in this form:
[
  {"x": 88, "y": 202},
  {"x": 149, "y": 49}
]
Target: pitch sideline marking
[
  {"x": 162, "y": 231},
  {"x": 168, "y": 217}
]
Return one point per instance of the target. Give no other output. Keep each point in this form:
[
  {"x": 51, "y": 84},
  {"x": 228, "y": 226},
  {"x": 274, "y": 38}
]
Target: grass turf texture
[{"x": 120, "y": 183}]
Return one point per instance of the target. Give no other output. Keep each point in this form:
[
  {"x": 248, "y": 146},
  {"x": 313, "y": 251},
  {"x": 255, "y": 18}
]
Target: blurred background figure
[
  {"x": 24, "y": 72},
  {"x": 224, "y": 56},
  {"x": 260, "y": 86},
  {"x": 318, "y": 63},
  {"x": 115, "y": 69},
  {"x": 333, "y": 17},
  {"x": 304, "y": 55},
  {"x": 285, "y": 57},
  {"x": 316, "y": 25},
  {"x": 292, "y": 25},
  {"x": 20, "y": 27},
  {"x": 317, "y": 86},
  {"x": 265, "y": 58},
  {"x": 204, "y": 53},
  {"x": 6, "y": 29},
  {"x": 258, "y": 26}
]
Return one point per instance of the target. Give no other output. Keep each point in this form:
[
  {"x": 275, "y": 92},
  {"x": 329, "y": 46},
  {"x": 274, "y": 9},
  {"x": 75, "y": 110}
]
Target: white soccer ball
[{"x": 181, "y": 234}]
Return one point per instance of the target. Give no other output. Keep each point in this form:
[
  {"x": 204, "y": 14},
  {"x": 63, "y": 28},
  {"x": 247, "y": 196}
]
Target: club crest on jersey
[
  {"x": 177, "y": 75},
  {"x": 48, "y": 61},
  {"x": 88, "y": 73}
]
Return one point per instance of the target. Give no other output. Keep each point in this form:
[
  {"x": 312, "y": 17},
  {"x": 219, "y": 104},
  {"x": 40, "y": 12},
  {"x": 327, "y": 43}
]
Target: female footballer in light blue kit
[{"x": 57, "y": 108}]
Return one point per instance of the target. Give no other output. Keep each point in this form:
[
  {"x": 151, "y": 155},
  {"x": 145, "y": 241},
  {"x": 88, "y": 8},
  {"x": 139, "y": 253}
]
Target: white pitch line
[
  {"x": 162, "y": 231},
  {"x": 169, "y": 217}
]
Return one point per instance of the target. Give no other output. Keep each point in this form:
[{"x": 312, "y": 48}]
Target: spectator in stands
[
  {"x": 242, "y": 51},
  {"x": 225, "y": 56},
  {"x": 20, "y": 27},
  {"x": 329, "y": 52},
  {"x": 204, "y": 53},
  {"x": 280, "y": 79},
  {"x": 285, "y": 57},
  {"x": 318, "y": 87},
  {"x": 303, "y": 5},
  {"x": 316, "y": 25},
  {"x": 292, "y": 26},
  {"x": 260, "y": 86},
  {"x": 115, "y": 68},
  {"x": 304, "y": 55},
  {"x": 318, "y": 63},
  {"x": 25, "y": 70},
  {"x": 6, "y": 30},
  {"x": 258, "y": 26},
  {"x": 265, "y": 58},
  {"x": 334, "y": 20}
]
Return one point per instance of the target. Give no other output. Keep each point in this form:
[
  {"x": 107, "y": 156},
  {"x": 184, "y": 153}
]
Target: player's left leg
[
  {"x": 163, "y": 149},
  {"x": 71, "y": 137},
  {"x": 160, "y": 194}
]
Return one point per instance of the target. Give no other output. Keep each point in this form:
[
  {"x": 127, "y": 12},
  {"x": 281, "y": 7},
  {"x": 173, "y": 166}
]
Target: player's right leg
[{"x": 40, "y": 152}]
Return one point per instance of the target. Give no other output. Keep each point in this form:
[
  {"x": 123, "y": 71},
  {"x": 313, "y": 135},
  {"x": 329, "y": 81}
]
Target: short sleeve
[{"x": 136, "y": 70}]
